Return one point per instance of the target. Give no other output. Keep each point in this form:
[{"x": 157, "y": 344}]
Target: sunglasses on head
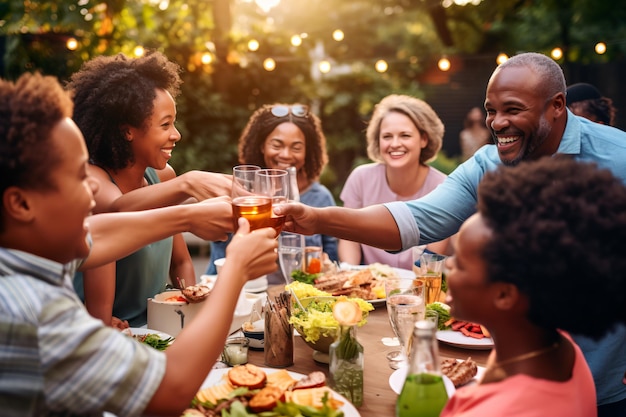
[{"x": 298, "y": 110}]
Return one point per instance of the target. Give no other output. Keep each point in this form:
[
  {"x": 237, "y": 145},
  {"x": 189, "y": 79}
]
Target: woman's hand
[{"x": 254, "y": 252}]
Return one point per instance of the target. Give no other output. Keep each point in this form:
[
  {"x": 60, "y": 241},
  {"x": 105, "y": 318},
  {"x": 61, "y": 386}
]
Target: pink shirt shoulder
[
  {"x": 367, "y": 185},
  {"x": 524, "y": 396}
]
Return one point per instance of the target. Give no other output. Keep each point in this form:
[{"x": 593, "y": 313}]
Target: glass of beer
[
  {"x": 246, "y": 201},
  {"x": 429, "y": 270},
  {"x": 273, "y": 183}
]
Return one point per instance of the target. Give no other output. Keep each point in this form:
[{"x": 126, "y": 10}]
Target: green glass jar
[{"x": 346, "y": 365}]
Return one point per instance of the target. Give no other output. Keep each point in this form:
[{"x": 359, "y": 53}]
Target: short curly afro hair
[
  {"x": 110, "y": 92},
  {"x": 29, "y": 109},
  {"x": 559, "y": 235},
  {"x": 263, "y": 122}
]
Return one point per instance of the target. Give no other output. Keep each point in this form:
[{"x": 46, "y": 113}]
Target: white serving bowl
[{"x": 171, "y": 317}]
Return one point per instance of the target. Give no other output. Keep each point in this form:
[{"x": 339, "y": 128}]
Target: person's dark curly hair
[
  {"x": 112, "y": 91},
  {"x": 559, "y": 235},
  {"x": 263, "y": 122},
  {"x": 29, "y": 109}
]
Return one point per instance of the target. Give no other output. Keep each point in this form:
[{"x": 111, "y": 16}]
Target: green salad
[
  {"x": 317, "y": 320},
  {"x": 443, "y": 310}
]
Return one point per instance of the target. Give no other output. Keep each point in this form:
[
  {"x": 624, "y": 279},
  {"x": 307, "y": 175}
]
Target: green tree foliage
[{"x": 219, "y": 96}]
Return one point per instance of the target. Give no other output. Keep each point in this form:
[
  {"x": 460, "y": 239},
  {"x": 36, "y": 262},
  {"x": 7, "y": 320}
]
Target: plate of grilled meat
[
  {"x": 362, "y": 281},
  {"x": 457, "y": 373}
]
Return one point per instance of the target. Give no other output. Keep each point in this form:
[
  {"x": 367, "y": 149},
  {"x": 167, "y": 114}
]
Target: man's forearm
[{"x": 373, "y": 226}]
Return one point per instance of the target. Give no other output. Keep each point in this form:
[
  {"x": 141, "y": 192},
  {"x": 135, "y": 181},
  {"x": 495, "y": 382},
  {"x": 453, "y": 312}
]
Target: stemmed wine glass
[
  {"x": 405, "y": 306},
  {"x": 246, "y": 201},
  {"x": 273, "y": 183}
]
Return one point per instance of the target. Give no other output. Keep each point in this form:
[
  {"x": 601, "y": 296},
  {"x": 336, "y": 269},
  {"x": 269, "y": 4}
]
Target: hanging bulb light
[
  {"x": 600, "y": 48},
  {"x": 206, "y": 58},
  {"x": 296, "y": 40},
  {"x": 501, "y": 58},
  {"x": 253, "y": 45},
  {"x": 381, "y": 66},
  {"x": 444, "y": 64},
  {"x": 71, "y": 44},
  {"x": 324, "y": 67},
  {"x": 269, "y": 64},
  {"x": 556, "y": 53},
  {"x": 139, "y": 51},
  {"x": 338, "y": 35}
]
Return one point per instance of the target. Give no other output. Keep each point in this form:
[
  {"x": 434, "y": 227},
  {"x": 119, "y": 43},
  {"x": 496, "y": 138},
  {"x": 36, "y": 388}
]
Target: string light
[
  {"x": 269, "y": 64},
  {"x": 253, "y": 45},
  {"x": 139, "y": 51},
  {"x": 444, "y": 64},
  {"x": 296, "y": 40},
  {"x": 324, "y": 67},
  {"x": 338, "y": 35},
  {"x": 71, "y": 44},
  {"x": 381, "y": 66},
  {"x": 556, "y": 53},
  {"x": 501, "y": 58},
  {"x": 207, "y": 58},
  {"x": 600, "y": 48}
]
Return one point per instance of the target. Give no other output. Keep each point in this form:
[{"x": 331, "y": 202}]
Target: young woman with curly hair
[
  {"x": 403, "y": 135},
  {"x": 126, "y": 111},
  {"x": 279, "y": 136}
]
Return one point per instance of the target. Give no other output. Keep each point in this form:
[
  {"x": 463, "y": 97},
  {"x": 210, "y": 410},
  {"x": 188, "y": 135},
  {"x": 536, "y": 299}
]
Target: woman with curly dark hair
[
  {"x": 126, "y": 111},
  {"x": 543, "y": 256},
  {"x": 280, "y": 136}
]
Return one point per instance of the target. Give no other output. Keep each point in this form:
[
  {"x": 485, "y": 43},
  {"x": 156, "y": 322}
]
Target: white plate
[
  {"x": 458, "y": 339},
  {"x": 256, "y": 285},
  {"x": 217, "y": 376},
  {"x": 401, "y": 273},
  {"x": 396, "y": 381},
  {"x": 141, "y": 331}
]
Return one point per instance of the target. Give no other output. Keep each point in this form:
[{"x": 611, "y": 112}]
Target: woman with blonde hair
[{"x": 403, "y": 135}]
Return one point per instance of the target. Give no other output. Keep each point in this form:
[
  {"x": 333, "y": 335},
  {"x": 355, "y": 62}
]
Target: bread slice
[{"x": 247, "y": 375}]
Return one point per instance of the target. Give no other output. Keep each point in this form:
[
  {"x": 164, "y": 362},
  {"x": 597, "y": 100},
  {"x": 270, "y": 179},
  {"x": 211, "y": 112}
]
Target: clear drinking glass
[
  {"x": 405, "y": 306},
  {"x": 290, "y": 253},
  {"x": 273, "y": 183},
  {"x": 246, "y": 201}
]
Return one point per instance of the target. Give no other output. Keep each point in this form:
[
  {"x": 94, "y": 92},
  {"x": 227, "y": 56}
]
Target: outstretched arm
[
  {"x": 116, "y": 235},
  {"x": 197, "y": 185},
  {"x": 372, "y": 225},
  {"x": 190, "y": 359}
]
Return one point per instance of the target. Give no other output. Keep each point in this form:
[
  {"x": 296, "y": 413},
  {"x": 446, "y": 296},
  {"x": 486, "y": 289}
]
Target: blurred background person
[
  {"x": 403, "y": 135},
  {"x": 474, "y": 134},
  {"x": 279, "y": 136},
  {"x": 126, "y": 110},
  {"x": 585, "y": 100}
]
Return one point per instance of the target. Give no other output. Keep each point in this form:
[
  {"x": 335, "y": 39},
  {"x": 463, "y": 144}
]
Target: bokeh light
[
  {"x": 269, "y": 64},
  {"x": 381, "y": 66}
]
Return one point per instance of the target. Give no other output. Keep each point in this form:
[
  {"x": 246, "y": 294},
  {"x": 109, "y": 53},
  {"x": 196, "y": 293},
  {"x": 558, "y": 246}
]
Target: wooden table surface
[{"x": 379, "y": 399}]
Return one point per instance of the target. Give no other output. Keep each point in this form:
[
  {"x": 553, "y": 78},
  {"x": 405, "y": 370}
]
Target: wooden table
[{"x": 379, "y": 399}]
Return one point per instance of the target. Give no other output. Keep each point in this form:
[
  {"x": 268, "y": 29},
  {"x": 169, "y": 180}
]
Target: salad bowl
[{"x": 316, "y": 324}]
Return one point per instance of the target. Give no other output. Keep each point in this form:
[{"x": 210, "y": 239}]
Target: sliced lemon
[{"x": 347, "y": 313}]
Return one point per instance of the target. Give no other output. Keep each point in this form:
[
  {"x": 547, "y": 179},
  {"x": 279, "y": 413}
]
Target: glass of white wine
[{"x": 405, "y": 306}]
